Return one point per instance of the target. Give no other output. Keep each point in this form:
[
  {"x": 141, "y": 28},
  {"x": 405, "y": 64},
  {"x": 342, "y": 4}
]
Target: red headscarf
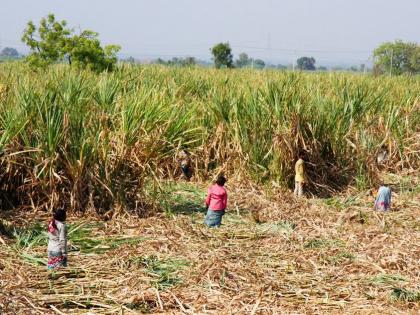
[{"x": 52, "y": 227}]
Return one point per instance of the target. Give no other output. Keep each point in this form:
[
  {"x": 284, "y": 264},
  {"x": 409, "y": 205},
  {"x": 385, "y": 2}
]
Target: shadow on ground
[
  {"x": 183, "y": 199},
  {"x": 187, "y": 208}
]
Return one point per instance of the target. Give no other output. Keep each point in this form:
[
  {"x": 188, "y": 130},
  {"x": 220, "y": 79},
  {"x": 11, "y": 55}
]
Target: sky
[{"x": 332, "y": 31}]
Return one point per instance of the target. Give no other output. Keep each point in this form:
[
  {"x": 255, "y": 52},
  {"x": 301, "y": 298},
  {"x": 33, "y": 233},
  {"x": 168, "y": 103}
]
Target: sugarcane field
[{"x": 148, "y": 185}]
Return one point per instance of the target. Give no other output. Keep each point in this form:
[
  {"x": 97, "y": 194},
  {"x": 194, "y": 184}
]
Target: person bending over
[
  {"x": 383, "y": 199},
  {"x": 184, "y": 160}
]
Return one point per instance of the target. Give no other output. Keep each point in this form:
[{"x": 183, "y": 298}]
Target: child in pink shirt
[{"x": 216, "y": 202}]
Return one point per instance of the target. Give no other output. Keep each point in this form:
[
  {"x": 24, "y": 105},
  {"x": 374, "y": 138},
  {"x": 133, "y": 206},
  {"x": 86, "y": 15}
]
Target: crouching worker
[
  {"x": 383, "y": 199},
  {"x": 184, "y": 160},
  {"x": 216, "y": 202},
  {"x": 57, "y": 240},
  {"x": 299, "y": 176}
]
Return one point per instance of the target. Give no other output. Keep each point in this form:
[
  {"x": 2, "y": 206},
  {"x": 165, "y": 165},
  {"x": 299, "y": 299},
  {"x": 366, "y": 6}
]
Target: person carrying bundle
[
  {"x": 216, "y": 202},
  {"x": 299, "y": 175},
  {"x": 383, "y": 199},
  {"x": 57, "y": 240},
  {"x": 184, "y": 160}
]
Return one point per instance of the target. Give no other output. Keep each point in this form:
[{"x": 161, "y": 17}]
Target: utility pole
[
  {"x": 293, "y": 63},
  {"x": 270, "y": 56},
  {"x": 390, "y": 69}
]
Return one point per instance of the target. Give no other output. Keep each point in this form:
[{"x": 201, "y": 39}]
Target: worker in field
[
  {"x": 216, "y": 202},
  {"x": 382, "y": 156},
  {"x": 383, "y": 198},
  {"x": 184, "y": 160},
  {"x": 57, "y": 240},
  {"x": 300, "y": 175}
]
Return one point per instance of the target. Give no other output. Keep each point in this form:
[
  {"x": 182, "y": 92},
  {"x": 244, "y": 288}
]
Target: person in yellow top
[{"x": 299, "y": 176}]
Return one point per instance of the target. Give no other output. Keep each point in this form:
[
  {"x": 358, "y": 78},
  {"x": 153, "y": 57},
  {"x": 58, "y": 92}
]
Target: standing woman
[
  {"x": 57, "y": 240},
  {"x": 216, "y": 202}
]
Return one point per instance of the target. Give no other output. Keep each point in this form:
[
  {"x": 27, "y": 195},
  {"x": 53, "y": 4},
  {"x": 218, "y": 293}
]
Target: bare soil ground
[{"x": 313, "y": 256}]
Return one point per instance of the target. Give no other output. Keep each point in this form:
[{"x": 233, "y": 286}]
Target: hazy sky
[{"x": 337, "y": 31}]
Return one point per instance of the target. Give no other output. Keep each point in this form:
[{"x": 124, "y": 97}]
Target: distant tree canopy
[
  {"x": 244, "y": 61},
  {"x": 175, "y": 61},
  {"x": 222, "y": 55},
  {"x": 281, "y": 67},
  {"x": 306, "y": 63},
  {"x": 9, "y": 52},
  {"x": 53, "y": 42},
  {"x": 259, "y": 64},
  {"x": 397, "y": 58}
]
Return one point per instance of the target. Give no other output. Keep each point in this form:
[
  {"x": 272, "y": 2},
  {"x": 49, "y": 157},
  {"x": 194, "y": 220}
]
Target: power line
[{"x": 303, "y": 50}]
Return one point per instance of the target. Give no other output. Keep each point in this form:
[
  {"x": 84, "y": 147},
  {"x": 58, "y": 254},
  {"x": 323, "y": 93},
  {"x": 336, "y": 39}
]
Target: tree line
[{"x": 54, "y": 42}]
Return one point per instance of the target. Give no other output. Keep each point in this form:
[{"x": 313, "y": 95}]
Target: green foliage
[
  {"x": 341, "y": 257},
  {"x": 243, "y": 61},
  {"x": 85, "y": 138},
  {"x": 85, "y": 51},
  {"x": 259, "y": 64},
  {"x": 387, "y": 279},
  {"x": 321, "y": 243},
  {"x": 397, "y": 58},
  {"x": 181, "y": 198},
  {"x": 32, "y": 236},
  {"x": 175, "y": 61},
  {"x": 306, "y": 63},
  {"x": 164, "y": 272},
  {"x": 222, "y": 55},
  {"x": 405, "y": 295},
  {"x": 53, "y": 42},
  {"x": 87, "y": 239}
]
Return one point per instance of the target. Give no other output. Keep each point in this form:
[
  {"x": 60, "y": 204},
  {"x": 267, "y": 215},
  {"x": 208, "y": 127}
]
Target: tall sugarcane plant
[{"x": 93, "y": 140}]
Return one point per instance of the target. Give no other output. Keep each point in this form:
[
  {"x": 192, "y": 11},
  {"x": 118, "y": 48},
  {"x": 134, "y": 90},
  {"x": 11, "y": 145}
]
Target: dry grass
[{"x": 311, "y": 256}]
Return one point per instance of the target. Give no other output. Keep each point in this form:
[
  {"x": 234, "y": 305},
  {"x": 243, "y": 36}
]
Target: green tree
[
  {"x": 85, "y": 51},
  {"x": 54, "y": 42},
  {"x": 242, "y": 61},
  {"x": 47, "y": 43},
  {"x": 189, "y": 62},
  {"x": 222, "y": 55},
  {"x": 160, "y": 61},
  {"x": 397, "y": 58},
  {"x": 306, "y": 63}
]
